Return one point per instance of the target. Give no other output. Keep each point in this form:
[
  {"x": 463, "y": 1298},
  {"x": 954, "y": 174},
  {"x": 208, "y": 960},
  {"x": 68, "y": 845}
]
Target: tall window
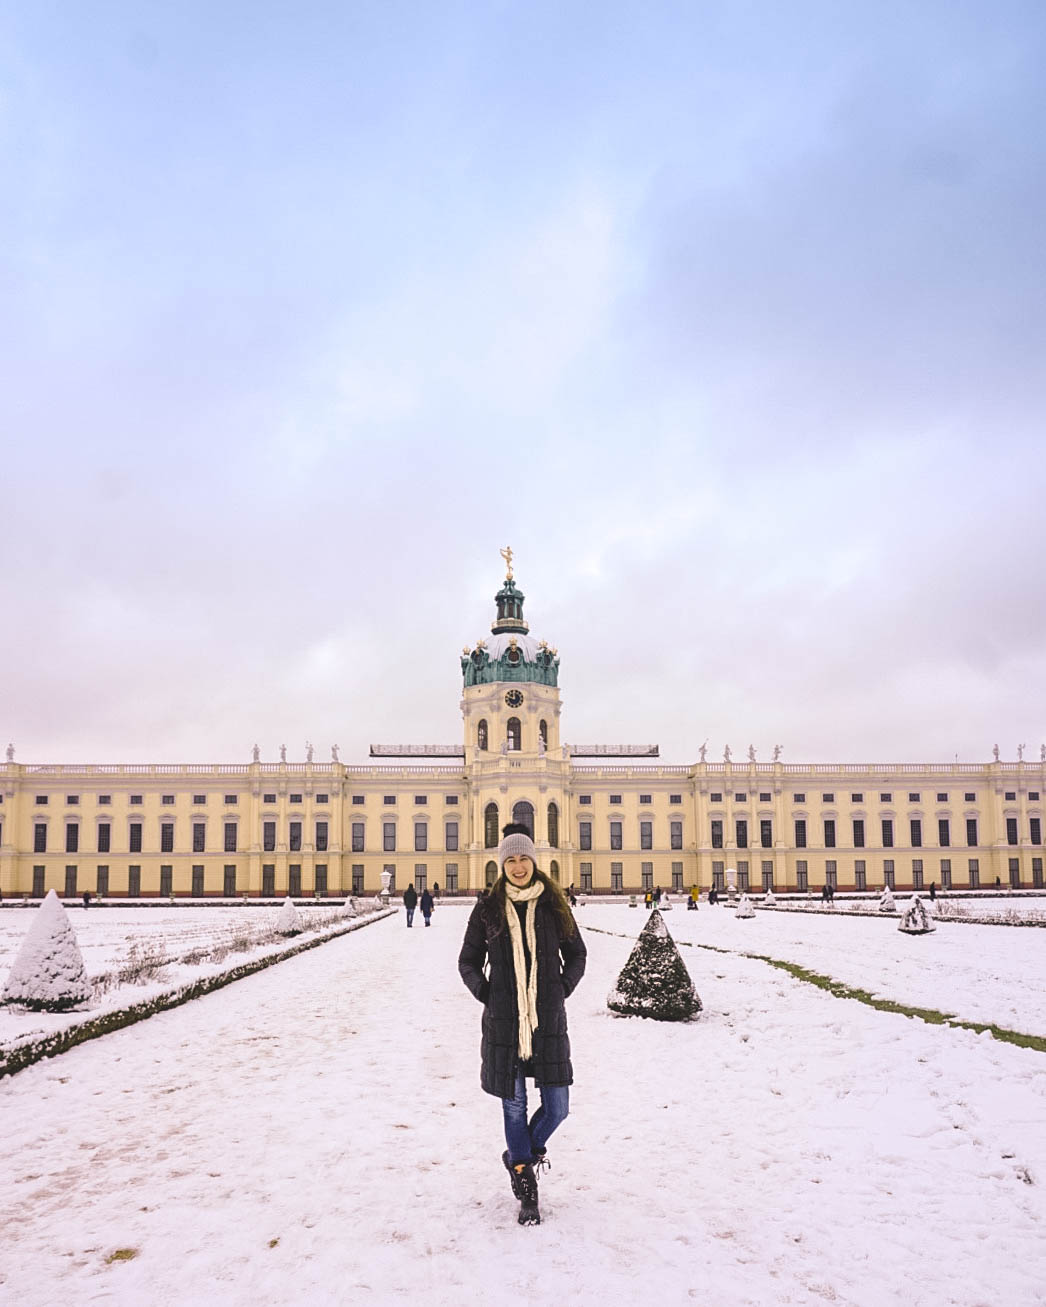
[
  {"x": 421, "y": 876},
  {"x": 451, "y": 873},
  {"x": 829, "y": 832},
  {"x": 358, "y": 828},
  {"x": 553, "y": 825},
  {"x": 294, "y": 842},
  {"x": 944, "y": 837},
  {"x": 1035, "y": 829},
  {"x": 946, "y": 873},
  {"x": 646, "y": 834},
  {"x": 831, "y": 873},
  {"x": 858, "y": 832},
  {"x": 677, "y": 877},
  {"x": 973, "y": 868},
  {"x": 321, "y": 837},
  {"x": 586, "y": 877},
  {"x": 357, "y": 878},
  {"x": 887, "y": 833},
  {"x": 917, "y": 873},
  {"x": 481, "y": 735},
  {"x": 802, "y": 882},
  {"x": 917, "y": 833},
  {"x": 741, "y": 827},
  {"x": 229, "y": 881},
  {"x": 616, "y": 877},
  {"x": 1015, "y": 873},
  {"x": 646, "y": 875},
  {"x": 888, "y": 873},
  {"x": 514, "y": 734},
  {"x": 40, "y": 837},
  {"x": 766, "y": 834},
  {"x": 450, "y": 837},
  {"x": 70, "y": 881},
  {"x": 388, "y": 836},
  {"x": 800, "y": 833},
  {"x": 717, "y": 833},
  {"x": 135, "y": 837},
  {"x": 1011, "y": 830},
  {"x": 230, "y": 836},
  {"x": 523, "y": 815},
  {"x": 615, "y": 834},
  {"x": 971, "y": 832},
  {"x": 543, "y": 732},
  {"x": 490, "y": 826},
  {"x": 167, "y": 837},
  {"x": 72, "y": 838},
  {"x": 421, "y": 837},
  {"x": 199, "y": 836},
  {"x": 585, "y": 835},
  {"x": 197, "y": 881},
  {"x": 675, "y": 829},
  {"x": 103, "y": 836}
]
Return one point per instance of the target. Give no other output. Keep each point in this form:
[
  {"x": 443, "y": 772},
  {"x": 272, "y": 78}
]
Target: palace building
[{"x": 604, "y": 817}]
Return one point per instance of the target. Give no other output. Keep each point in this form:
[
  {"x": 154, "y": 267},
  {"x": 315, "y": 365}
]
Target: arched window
[
  {"x": 514, "y": 731},
  {"x": 553, "y": 825},
  {"x": 523, "y": 813},
  {"x": 481, "y": 735},
  {"x": 543, "y": 732},
  {"x": 492, "y": 873},
  {"x": 491, "y": 838},
  {"x": 554, "y": 871}
]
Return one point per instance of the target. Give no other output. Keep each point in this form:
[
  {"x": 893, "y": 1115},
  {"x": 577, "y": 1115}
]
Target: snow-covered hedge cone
[
  {"x": 48, "y": 974},
  {"x": 744, "y": 907},
  {"x": 288, "y": 922},
  {"x": 769, "y": 899},
  {"x": 915, "y": 920},
  {"x": 350, "y": 909},
  {"x": 886, "y": 903},
  {"x": 654, "y": 982}
]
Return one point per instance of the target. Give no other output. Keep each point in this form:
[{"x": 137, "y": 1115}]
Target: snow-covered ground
[{"x": 316, "y": 1134}]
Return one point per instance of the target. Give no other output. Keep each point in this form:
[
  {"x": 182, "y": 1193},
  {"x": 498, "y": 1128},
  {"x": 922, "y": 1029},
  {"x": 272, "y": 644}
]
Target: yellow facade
[{"x": 266, "y": 829}]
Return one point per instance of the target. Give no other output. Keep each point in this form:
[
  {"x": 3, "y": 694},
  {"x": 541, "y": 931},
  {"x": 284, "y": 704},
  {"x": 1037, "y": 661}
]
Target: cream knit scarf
[{"x": 526, "y": 995}]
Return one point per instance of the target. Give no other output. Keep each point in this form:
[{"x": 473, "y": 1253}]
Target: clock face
[{"x": 514, "y": 698}]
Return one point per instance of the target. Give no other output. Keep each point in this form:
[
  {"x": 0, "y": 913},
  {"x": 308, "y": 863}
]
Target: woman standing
[{"x": 525, "y": 930}]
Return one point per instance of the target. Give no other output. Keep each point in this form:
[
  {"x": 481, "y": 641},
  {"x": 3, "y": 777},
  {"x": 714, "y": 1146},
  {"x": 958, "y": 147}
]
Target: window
[
  {"x": 768, "y": 876},
  {"x": 166, "y": 881},
  {"x": 798, "y": 798},
  {"x": 971, "y": 832},
  {"x": 357, "y": 800},
  {"x": 646, "y": 798},
  {"x": 715, "y": 798},
  {"x": 1035, "y": 830},
  {"x": 103, "y": 836},
  {"x": 616, "y": 877},
  {"x": 481, "y": 736},
  {"x": 553, "y": 825},
  {"x": 72, "y": 837},
  {"x": 199, "y": 799},
  {"x": 944, "y": 837},
  {"x": 1036, "y": 873},
  {"x": 802, "y": 880},
  {"x": 717, "y": 833},
  {"x": 888, "y": 873},
  {"x": 321, "y": 798},
  {"x": 914, "y": 798},
  {"x": 321, "y": 837},
  {"x": 942, "y": 798},
  {"x": 294, "y": 879},
  {"x": 134, "y": 837},
  {"x": 358, "y": 828},
  {"x": 1011, "y": 795},
  {"x": 718, "y": 879},
  {"x": 766, "y": 834},
  {"x": 197, "y": 880},
  {"x": 167, "y": 837},
  {"x": 543, "y": 732},
  {"x": 41, "y": 800},
  {"x": 72, "y": 799},
  {"x": 523, "y": 815},
  {"x": 421, "y": 837},
  {"x": 973, "y": 870},
  {"x": 831, "y": 873},
  {"x": 230, "y": 799},
  {"x": 829, "y": 833},
  {"x": 268, "y": 798},
  {"x": 294, "y": 840},
  {"x": 586, "y": 877},
  {"x": 421, "y": 876},
  {"x": 916, "y": 832},
  {"x": 856, "y": 798},
  {"x": 70, "y": 881},
  {"x": 514, "y": 734},
  {"x": 646, "y": 834},
  {"x": 675, "y": 829},
  {"x": 136, "y": 798},
  {"x": 827, "y": 798},
  {"x": 490, "y": 826},
  {"x": 946, "y": 873},
  {"x": 357, "y": 878},
  {"x": 740, "y": 798},
  {"x": 970, "y": 798},
  {"x": 198, "y": 836},
  {"x": 858, "y": 832},
  {"x": 268, "y": 837},
  {"x": 294, "y": 798},
  {"x": 1033, "y": 795},
  {"x": 584, "y": 798},
  {"x": 584, "y": 835},
  {"x": 615, "y": 834},
  {"x": 450, "y": 836},
  {"x": 1011, "y": 830},
  {"x": 451, "y": 798},
  {"x": 105, "y": 798},
  {"x": 230, "y": 835},
  {"x": 167, "y": 800},
  {"x": 677, "y": 877},
  {"x": 646, "y": 874},
  {"x": 860, "y": 874},
  {"x": 421, "y": 800},
  {"x": 675, "y": 798},
  {"x": 615, "y": 800},
  {"x": 887, "y": 833},
  {"x": 886, "y": 798},
  {"x": 451, "y": 873},
  {"x": 800, "y": 833},
  {"x": 229, "y": 881},
  {"x": 388, "y": 836},
  {"x": 388, "y": 800},
  {"x": 917, "y": 873},
  {"x": 765, "y": 798},
  {"x": 1015, "y": 873},
  {"x": 741, "y": 831}
]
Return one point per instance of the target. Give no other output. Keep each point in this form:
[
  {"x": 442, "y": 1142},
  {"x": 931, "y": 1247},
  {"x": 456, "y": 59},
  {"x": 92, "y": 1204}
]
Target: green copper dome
[{"x": 511, "y": 653}]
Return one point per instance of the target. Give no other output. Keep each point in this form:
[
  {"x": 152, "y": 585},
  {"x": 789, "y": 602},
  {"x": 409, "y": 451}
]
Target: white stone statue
[
  {"x": 995, "y": 752},
  {"x": 703, "y": 750},
  {"x": 10, "y": 753},
  {"x": 308, "y": 751},
  {"x": 777, "y": 753},
  {"x": 256, "y": 754},
  {"x": 1042, "y": 752},
  {"x": 283, "y": 753},
  {"x": 751, "y": 753},
  {"x": 726, "y": 754},
  {"x": 1020, "y": 752},
  {"x": 334, "y": 753}
]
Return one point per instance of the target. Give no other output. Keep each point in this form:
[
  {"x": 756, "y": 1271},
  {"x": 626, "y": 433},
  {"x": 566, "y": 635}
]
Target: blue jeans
[
  {"x": 524, "y": 1138},
  {"x": 410, "y": 916}
]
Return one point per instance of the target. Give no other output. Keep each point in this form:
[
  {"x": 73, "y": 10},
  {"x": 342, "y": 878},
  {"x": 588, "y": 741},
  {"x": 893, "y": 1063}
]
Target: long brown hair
[{"x": 498, "y": 899}]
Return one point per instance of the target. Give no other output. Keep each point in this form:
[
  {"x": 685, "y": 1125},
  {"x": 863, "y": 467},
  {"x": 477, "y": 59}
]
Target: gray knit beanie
[{"x": 516, "y": 844}]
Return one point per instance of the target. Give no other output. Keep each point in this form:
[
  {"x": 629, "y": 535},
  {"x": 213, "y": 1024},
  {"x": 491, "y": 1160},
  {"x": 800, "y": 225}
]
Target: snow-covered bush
[
  {"x": 289, "y": 921},
  {"x": 745, "y": 908},
  {"x": 915, "y": 920},
  {"x": 654, "y": 982},
  {"x": 769, "y": 899},
  {"x": 886, "y": 903},
  {"x": 48, "y": 972},
  {"x": 350, "y": 909},
  {"x": 666, "y": 903}
]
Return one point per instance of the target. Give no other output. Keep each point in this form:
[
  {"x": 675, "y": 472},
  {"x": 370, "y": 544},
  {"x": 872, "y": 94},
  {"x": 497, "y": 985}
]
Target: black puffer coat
[{"x": 561, "y": 964}]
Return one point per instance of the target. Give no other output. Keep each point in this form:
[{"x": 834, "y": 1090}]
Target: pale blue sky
[{"x": 730, "y": 318}]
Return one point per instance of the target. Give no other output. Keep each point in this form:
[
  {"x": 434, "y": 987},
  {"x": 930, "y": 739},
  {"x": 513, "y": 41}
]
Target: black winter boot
[{"x": 525, "y": 1187}]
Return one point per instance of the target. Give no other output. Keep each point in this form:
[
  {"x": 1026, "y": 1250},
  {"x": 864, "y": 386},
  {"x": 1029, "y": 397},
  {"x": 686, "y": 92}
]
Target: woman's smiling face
[{"x": 519, "y": 868}]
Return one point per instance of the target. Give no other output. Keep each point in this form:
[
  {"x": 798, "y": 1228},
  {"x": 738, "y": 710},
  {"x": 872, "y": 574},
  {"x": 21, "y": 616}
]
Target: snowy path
[{"x": 786, "y": 1148}]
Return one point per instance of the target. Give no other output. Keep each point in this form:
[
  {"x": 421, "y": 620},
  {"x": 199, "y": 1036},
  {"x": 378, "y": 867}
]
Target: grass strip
[{"x": 840, "y": 990}]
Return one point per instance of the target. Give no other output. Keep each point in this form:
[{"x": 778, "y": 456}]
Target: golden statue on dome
[{"x": 506, "y": 554}]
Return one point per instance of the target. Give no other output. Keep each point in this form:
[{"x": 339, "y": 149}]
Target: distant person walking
[
  {"x": 410, "y": 902},
  {"x": 933, "y": 891},
  {"x": 87, "y": 899},
  {"x": 525, "y": 933},
  {"x": 426, "y": 906}
]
